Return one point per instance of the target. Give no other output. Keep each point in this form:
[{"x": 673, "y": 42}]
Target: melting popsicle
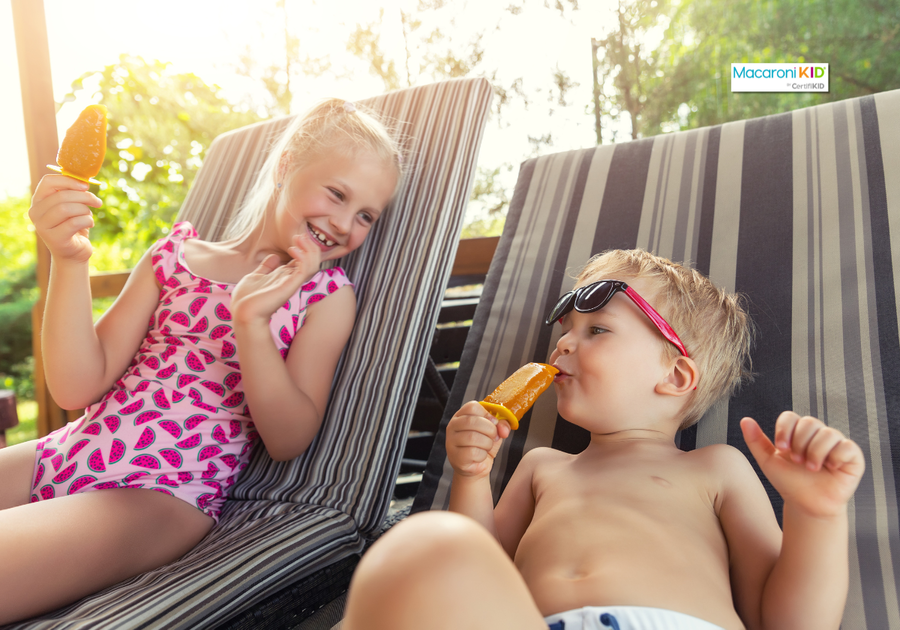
[
  {"x": 84, "y": 147},
  {"x": 514, "y": 396}
]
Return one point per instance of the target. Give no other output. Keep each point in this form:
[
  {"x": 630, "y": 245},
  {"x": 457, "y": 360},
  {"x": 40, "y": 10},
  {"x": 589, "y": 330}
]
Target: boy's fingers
[
  {"x": 805, "y": 430},
  {"x": 760, "y": 445},
  {"x": 847, "y": 457},
  {"x": 784, "y": 429},
  {"x": 821, "y": 445}
]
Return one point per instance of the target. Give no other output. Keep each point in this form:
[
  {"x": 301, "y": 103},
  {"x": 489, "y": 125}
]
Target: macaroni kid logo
[{"x": 779, "y": 77}]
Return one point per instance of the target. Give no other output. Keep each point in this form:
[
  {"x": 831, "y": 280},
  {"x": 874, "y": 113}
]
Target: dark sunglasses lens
[
  {"x": 563, "y": 306},
  {"x": 594, "y": 296}
]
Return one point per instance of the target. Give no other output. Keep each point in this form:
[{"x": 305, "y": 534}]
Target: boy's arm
[
  {"x": 473, "y": 438},
  {"x": 816, "y": 470},
  {"x": 515, "y": 509},
  {"x": 751, "y": 531}
]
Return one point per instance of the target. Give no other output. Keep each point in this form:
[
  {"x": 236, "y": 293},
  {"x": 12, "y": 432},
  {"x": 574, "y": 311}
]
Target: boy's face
[{"x": 610, "y": 362}]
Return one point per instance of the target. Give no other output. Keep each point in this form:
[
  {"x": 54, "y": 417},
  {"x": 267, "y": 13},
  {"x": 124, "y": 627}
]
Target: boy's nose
[{"x": 564, "y": 344}]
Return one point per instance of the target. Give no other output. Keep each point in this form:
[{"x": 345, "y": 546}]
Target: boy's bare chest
[{"x": 641, "y": 486}]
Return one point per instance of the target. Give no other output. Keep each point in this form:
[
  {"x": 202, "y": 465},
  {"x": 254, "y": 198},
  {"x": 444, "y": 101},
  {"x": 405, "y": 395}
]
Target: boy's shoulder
[
  {"x": 719, "y": 459},
  {"x": 543, "y": 455}
]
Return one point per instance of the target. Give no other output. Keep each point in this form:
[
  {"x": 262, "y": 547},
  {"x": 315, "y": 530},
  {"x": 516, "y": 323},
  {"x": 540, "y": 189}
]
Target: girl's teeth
[{"x": 321, "y": 238}]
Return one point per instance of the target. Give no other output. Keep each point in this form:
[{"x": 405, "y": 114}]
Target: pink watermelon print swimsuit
[{"x": 176, "y": 422}]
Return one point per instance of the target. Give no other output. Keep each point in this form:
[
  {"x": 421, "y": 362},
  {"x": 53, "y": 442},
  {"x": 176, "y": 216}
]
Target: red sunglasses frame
[{"x": 571, "y": 300}]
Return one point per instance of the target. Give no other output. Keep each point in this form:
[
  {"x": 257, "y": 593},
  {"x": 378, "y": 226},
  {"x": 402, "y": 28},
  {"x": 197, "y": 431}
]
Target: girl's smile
[{"x": 321, "y": 238}]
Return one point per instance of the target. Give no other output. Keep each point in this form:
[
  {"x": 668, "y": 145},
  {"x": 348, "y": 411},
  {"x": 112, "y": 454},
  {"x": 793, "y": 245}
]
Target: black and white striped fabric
[
  {"x": 283, "y": 521},
  {"x": 800, "y": 212}
]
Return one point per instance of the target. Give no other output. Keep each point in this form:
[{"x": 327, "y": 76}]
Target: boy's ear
[{"x": 681, "y": 379}]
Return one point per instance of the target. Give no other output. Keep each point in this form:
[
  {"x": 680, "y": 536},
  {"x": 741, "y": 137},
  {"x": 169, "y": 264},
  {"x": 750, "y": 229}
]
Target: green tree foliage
[
  {"x": 160, "y": 125},
  {"x": 18, "y": 290},
  {"x": 627, "y": 65},
  {"x": 688, "y": 83}
]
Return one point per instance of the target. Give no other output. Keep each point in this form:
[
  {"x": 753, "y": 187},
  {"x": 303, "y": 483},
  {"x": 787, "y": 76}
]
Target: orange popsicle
[
  {"x": 514, "y": 396},
  {"x": 84, "y": 147}
]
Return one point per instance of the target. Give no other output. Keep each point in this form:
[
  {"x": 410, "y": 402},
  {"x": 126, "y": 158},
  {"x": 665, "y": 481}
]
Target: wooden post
[
  {"x": 41, "y": 137},
  {"x": 9, "y": 417}
]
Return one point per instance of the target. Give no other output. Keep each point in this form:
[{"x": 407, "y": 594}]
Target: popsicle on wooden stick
[
  {"x": 514, "y": 396},
  {"x": 84, "y": 147}
]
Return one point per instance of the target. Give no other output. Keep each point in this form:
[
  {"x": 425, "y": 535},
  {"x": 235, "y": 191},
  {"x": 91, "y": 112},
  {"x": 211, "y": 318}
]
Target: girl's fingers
[
  {"x": 50, "y": 184},
  {"x": 59, "y": 215},
  {"x": 269, "y": 264}
]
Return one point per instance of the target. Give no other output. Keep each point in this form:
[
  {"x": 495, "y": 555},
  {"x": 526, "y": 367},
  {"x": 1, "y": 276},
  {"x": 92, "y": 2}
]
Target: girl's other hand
[
  {"x": 261, "y": 292},
  {"x": 306, "y": 253},
  {"x": 61, "y": 214}
]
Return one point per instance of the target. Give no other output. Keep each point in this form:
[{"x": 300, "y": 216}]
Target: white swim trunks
[{"x": 625, "y": 618}]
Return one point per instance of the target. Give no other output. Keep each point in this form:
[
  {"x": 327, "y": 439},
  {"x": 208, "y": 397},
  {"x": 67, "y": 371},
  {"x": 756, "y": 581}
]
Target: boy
[{"x": 631, "y": 533}]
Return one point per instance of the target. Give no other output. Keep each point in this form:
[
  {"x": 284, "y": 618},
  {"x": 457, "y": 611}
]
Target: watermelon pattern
[{"x": 177, "y": 421}]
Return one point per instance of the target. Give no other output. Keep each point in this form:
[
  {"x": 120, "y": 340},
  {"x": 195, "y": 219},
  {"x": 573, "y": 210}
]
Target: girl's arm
[
  {"x": 82, "y": 362},
  {"x": 287, "y": 398}
]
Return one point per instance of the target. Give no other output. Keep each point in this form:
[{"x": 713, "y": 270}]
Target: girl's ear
[
  {"x": 284, "y": 165},
  {"x": 681, "y": 379}
]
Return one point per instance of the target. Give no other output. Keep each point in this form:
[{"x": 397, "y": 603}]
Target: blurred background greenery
[{"x": 658, "y": 66}]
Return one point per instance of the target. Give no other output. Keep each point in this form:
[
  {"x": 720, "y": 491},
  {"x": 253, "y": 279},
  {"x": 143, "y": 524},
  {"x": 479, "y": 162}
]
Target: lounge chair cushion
[
  {"x": 800, "y": 212},
  {"x": 285, "y": 520}
]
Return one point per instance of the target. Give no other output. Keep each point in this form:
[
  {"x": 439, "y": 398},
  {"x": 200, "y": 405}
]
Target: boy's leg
[
  {"x": 439, "y": 570},
  {"x": 55, "y": 552},
  {"x": 16, "y": 469}
]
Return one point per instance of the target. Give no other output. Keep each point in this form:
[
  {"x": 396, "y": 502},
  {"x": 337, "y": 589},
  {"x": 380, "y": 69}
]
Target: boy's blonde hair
[
  {"x": 713, "y": 324},
  {"x": 333, "y": 124}
]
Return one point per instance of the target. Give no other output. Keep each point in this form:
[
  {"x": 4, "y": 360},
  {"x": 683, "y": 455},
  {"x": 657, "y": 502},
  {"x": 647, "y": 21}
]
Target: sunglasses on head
[{"x": 592, "y": 297}]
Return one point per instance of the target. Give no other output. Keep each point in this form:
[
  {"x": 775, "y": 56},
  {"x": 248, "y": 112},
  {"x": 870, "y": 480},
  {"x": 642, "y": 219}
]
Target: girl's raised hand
[
  {"x": 61, "y": 214},
  {"x": 812, "y": 466},
  {"x": 261, "y": 292}
]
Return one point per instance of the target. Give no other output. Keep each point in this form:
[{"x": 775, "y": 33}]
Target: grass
[{"x": 27, "y": 427}]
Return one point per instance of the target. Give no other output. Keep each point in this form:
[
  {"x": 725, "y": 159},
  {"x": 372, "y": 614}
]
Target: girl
[{"x": 249, "y": 323}]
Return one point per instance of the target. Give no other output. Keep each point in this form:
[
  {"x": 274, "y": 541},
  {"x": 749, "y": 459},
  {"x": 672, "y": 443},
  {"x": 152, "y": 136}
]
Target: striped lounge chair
[
  {"x": 285, "y": 521},
  {"x": 799, "y": 211}
]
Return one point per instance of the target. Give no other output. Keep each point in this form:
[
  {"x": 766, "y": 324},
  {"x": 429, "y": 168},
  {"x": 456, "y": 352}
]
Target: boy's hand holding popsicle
[{"x": 475, "y": 432}]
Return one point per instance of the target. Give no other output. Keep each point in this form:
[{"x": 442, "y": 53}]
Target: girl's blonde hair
[
  {"x": 713, "y": 324},
  {"x": 333, "y": 124}
]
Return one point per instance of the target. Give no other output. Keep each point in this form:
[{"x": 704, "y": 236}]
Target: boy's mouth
[{"x": 320, "y": 237}]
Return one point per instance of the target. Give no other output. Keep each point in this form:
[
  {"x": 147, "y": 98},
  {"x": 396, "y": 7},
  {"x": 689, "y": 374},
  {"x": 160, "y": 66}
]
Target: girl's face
[{"x": 335, "y": 199}]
